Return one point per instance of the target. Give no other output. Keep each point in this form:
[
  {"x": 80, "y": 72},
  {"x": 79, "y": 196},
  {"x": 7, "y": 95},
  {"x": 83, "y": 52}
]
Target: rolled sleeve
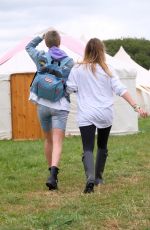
[{"x": 117, "y": 86}]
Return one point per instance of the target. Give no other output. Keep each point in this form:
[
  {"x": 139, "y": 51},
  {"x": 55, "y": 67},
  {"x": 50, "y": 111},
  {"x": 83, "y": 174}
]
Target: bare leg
[
  {"x": 48, "y": 147},
  {"x": 58, "y": 137}
]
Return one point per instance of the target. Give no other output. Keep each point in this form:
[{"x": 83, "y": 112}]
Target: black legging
[{"x": 88, "y": 137}]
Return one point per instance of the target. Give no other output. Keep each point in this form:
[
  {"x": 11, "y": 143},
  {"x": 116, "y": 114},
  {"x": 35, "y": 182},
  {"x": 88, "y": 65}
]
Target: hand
[
  {"x": 42, "y": 36},
  {"x": 141, "y": 112}
]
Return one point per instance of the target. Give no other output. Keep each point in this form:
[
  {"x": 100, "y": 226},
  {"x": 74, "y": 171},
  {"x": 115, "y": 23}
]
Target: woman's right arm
[
  {"x": 126, "y": 96},
  {"x": 122, "y": 91},
  {"x": 71, "y": 82}
]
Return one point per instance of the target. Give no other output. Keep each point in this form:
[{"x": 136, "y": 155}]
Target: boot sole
[
  {"x": 89, "y": 188},
  {"x": 51, "y": 186}
]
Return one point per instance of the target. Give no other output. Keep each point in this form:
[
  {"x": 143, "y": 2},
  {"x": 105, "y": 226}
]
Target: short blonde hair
[{"x": 52, "y": 38}]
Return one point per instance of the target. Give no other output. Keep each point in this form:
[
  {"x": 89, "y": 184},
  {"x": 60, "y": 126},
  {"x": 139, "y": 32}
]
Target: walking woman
[{"x": 94, "y": 83}]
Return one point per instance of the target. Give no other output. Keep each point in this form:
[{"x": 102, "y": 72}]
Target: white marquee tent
[
  {"x": 142, "y": 79},
  {"x": 20, "y": 62}
]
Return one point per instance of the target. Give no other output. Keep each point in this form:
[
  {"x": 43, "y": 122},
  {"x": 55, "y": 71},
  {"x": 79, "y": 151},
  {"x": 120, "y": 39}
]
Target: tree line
[{"x": 138, "y": 49}]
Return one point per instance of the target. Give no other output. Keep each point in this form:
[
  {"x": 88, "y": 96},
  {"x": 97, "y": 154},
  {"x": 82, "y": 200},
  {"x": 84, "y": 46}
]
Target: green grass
[{"x": 122, "y": 203}]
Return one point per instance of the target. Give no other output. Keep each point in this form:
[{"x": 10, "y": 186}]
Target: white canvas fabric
[
  {"x": 21, "y": 63},
  {"x": 142, "y": 79},
  {"x": 5, "y": 108}
]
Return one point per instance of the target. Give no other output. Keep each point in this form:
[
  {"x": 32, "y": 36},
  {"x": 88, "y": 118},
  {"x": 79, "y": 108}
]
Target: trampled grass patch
[{"x": 122, "y": 203}]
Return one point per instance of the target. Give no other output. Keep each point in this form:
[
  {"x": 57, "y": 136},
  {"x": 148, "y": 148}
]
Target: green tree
[{"x": 138, "y": 49}]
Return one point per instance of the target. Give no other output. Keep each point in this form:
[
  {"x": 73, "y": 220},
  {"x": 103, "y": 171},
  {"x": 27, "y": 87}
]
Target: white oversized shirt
[{"x": 95, "y": 97}]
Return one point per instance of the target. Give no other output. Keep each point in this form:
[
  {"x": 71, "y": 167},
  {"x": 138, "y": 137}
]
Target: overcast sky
[{"x": 80, "y": 18}]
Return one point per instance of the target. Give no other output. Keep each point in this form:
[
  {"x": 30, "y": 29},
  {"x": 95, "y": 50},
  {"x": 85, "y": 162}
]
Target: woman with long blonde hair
[{"x": 94, "y": 83}]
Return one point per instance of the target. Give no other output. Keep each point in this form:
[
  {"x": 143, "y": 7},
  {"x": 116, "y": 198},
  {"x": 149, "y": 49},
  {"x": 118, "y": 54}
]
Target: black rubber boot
[
  {"x": 52, "y": 180},
  {"x": 100, "y": 165},
  {"x": 89, "y": 188},
  {"x": 88, "y": 163}
]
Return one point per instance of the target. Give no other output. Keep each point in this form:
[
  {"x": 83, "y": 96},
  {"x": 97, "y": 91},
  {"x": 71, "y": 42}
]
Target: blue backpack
[{"x": 49, "y": 80}]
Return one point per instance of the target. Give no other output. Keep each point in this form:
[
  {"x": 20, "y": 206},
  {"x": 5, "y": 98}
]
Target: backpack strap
[
  {"x": 33, "y": 78},
  {"x": 62, "y": 62},
  {"x": 49, "y": 59}
]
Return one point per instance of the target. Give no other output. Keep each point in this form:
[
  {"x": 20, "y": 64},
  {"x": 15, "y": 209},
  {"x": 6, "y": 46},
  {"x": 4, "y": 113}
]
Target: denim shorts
[{"x": 52, "y": 118}]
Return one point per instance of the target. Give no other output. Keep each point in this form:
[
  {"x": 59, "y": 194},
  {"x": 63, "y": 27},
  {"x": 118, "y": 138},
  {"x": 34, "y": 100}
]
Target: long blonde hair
[{"x": 95, "y": 54}]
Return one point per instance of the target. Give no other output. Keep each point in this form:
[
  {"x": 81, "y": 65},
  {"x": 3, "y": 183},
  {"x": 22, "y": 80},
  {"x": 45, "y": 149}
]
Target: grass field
[{"x": 122, "y": 203}]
